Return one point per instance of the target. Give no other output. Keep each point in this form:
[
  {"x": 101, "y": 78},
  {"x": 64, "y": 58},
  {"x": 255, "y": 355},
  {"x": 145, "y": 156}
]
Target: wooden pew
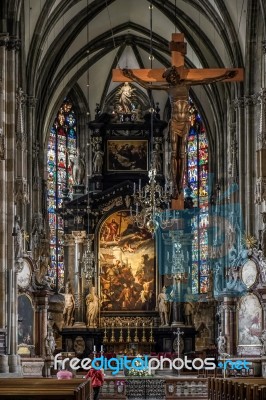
[
  {"x": 44, "y": 389},
  {"x": 236, "y": 388}
]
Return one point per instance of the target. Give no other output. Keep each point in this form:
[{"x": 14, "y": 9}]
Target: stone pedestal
[
  {"x": 48, "y": 364},
  {"x": 32, "y": 366},
  {"x": 3, "y": 364}
]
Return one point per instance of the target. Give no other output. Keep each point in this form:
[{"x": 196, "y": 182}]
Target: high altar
[{"x": 125, "y": 301}]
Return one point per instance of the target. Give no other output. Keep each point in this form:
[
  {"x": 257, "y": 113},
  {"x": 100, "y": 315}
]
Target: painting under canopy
[
  {"x": 126, "y": 257},
  {"x": 250, "y": 321},
  {"x": 127, "y": 155}
]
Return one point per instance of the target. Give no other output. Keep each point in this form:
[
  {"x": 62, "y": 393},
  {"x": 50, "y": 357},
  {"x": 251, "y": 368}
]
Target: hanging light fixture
[{"x": 150, "y": 201}]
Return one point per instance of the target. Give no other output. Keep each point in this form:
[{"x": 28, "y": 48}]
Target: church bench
[
  {"x": 42, "y": 389},
  {"x": 234, "y": 389}
]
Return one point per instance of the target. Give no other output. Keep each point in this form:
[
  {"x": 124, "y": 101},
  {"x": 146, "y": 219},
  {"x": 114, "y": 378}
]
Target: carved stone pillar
[
  {"x": 238, "y": 104},
  {"x": 41, "y": 322},
  {"x": 11, "y": 62},
  {"x": 79, "y": 237},
  {"x": 34, "y": 181},
  {"x": 69, "y": 258},
  {"x": 3, "y": 41},
  {"x": 229, "y": 325},
  {"x": 21, "y": 185},
  {"x": 260, "y": 196}
]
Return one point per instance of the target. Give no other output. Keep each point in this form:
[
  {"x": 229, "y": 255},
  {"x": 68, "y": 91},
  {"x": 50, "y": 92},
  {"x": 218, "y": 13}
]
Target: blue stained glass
[
  {"x": 62, "y": 139},
  {"x": 197, "y": 180}
]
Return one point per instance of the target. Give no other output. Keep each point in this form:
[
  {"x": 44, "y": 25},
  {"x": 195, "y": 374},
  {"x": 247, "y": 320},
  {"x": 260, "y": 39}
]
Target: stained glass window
[
  {"x": 197, "y": 180},
  {"x": 61, "y": 146}
]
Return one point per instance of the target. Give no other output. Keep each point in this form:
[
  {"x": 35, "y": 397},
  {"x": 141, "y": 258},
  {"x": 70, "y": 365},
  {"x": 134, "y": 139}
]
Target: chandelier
[{"x": 149, "y": 202}]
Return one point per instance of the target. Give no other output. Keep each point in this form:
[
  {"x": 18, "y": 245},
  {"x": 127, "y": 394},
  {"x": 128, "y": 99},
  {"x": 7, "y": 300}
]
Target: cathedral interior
[{"x": 133, "y": 195}]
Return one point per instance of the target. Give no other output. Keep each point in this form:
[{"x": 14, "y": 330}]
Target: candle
[
  {"x": 134, "y": 186},
  {"x": 94, "y": 348},
  {"x": 101, "y": 347}
]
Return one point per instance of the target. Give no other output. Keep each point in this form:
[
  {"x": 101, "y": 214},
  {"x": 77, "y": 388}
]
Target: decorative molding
[
  {"x": 2, "y": 145},
  {"x": 263, "y": 45},
  {"x": 238, "y": 103},
  {"x": 260, "y": 192},
  {"x": 68, "y": 239},
  {"x": 31, "y": 101},
  {"x": 4, "y": 38},
  {"x": 79, "y": 236},
  {"x": 13, "y": 44}
]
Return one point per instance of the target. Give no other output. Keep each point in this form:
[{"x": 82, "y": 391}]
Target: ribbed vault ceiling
[{"x": 69, "y": 44}]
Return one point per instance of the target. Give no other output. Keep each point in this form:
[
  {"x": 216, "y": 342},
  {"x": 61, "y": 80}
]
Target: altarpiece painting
[
  {"x": 127, "y": 155},
  {"x": 127, "y": 262},
  {"x": 250, "y": 321}
]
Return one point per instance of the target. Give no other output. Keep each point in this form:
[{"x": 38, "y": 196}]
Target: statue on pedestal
[
  {"x": 92, "y": 303},
  {"x": 68, "y": 312},
  {"x": 163, "y": 303},
  {"x": 221, "y": 343},
  {"x": 98, "y": 159},
  {"x": 78, "y": 167},
  {"x": 189, "y": 307},
  {"x": 50, "y": 343},
  {"x": 18, "y": 233}
]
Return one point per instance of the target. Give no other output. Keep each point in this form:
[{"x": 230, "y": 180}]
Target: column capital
[
  {"x": 69, "y": 239},
  {"x": 4, "y": 38},
  {"x": 263, "y": 45},
  {"x": 260, "y": 191},
  {"x": 31, "y": 101},
  {"x": 13, "y": 43},
  {"x": 79, "y": 236}
]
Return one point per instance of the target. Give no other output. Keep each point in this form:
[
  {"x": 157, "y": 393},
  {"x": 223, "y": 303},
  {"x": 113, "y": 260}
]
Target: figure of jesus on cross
[{"x": 176, "y": 80}]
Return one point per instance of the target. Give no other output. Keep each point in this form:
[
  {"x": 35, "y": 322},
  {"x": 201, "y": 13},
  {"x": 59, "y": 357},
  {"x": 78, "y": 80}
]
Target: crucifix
[
  {"x": 178, "y": 333},
  {"x": 176, "y": 80}
]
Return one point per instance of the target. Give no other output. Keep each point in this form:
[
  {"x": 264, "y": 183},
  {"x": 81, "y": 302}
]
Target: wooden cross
[
  {"x": 178, "y": 50},
  {"x": 178, "y": 80}
]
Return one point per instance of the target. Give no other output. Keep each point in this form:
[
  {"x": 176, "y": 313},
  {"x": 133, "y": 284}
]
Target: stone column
[
  {"x": 240, "y": 129},
  {"x": 21, "y": 185},
  {"x": 69, "y": 258},
  {"x": 260, "y": 197},
  {"x": 3, "y": 255},
  {"x": 13, "y": 44},
  {"x": 79, "y": 237},
  {"x": 229, "y": 325},
  {"x": 41, "y": 322},
  {"x": 34, "y": 180}
]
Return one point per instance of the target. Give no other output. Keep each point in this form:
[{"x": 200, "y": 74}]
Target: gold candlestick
[
  {"x": 136, "y": 339},
  {"x": 151, "y": 340},
  {"x": 128, "y": 334},
  {"x": 112, "y": 340},
  {"x": 105, "y": 338},
  {"x": 143, "y": 339},
  {"x": 121, "y": 335}
]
